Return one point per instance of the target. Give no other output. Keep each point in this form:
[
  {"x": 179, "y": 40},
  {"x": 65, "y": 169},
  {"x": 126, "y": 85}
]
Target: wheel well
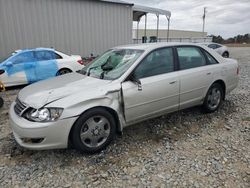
[
  {"x": 115, "y": 115},
  {"x": 110, "y": 110},
  {"x": 226, "y": 52},
  {"x": 223, "y": 85},
  {"x": 64, "y": 69}
]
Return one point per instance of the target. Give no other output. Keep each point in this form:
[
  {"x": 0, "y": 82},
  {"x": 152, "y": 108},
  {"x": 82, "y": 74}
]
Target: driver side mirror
[
  {"x": 9, "y": 63},
  {"x": 136, "y": 81}
]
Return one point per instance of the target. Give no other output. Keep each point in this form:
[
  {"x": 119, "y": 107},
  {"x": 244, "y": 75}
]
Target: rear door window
[
  {"x": 210, "y": 58},
  {"x": 190, "y": 57},
  {"x": 214, "y": 46},
  {"x": 45, "y": 55}
]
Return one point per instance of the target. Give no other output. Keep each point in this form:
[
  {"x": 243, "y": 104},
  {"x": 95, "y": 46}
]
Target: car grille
[{"x": 19, "y": 107}]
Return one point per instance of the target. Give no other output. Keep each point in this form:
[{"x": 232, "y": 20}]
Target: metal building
[{"x": 72, "y": 26}]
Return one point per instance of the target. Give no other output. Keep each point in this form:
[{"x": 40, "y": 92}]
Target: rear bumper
[
  {"x": 54, "y": 135},
  {"x": 232, "y": 86}
]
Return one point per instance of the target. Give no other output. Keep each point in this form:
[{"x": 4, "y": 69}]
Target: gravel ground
[{"x": 184, "y": 149}]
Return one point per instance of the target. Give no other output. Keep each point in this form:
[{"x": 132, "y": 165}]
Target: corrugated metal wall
[{"x": 72, "y": 26}]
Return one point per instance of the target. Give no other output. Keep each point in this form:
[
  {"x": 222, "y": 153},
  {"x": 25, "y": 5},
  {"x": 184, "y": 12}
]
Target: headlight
[{"x": 43, "y": 114}]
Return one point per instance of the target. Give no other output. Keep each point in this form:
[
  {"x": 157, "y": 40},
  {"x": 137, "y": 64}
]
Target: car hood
[{"x": 41, "y": 93}]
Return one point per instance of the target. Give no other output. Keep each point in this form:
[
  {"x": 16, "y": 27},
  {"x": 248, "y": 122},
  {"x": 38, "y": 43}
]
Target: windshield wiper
[{"x": 81, "y": 71}]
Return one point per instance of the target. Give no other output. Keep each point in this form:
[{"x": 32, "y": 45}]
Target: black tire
[
  {"x": 81, "y": 127},
  {"x": 225, "y": 54},
  {"x": 209, "y": 104},
  {"x": 1, "y": 102},
  {"x": 63, "y": 71}
]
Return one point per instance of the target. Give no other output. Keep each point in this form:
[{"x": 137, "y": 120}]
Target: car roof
[
  {"x": 33, "y": 49},
  {"x": 151, "y": 46},
  {"x": 207, "y": 43}
]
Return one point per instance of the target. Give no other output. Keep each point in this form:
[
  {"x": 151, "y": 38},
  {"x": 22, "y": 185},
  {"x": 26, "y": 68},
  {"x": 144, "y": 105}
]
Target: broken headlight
[{"x": 44, "y": 114}]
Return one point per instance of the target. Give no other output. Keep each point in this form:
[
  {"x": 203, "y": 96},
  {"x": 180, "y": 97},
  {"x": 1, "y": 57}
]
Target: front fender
[{"x": 109, "y": 100}]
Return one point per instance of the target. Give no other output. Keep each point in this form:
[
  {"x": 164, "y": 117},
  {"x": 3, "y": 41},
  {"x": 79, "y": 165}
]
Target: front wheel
[
  {"x": 213, "y": 98},
  {"x": 93, "y": 131}
]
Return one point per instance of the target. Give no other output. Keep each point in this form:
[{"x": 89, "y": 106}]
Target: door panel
[
  {"x": 46, "y": 66},
  {"x": 159, "y": 87},
  {"x": 13, "y": 79},
  {"x": 20, "y": 69},
  {"x": 195, "y": 76},
  {"x": 159, "y": 94},
  {"x": 193, "y": 85}
]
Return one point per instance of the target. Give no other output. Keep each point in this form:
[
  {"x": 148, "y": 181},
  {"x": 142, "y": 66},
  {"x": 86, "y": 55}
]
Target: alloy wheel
[
  {"x": 214, "y": 98},
  {"x": 95, "y": 131}
]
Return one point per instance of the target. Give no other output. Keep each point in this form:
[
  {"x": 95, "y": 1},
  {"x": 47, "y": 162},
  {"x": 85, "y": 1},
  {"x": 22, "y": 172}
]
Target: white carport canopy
[{"x": 139, "y": 11}]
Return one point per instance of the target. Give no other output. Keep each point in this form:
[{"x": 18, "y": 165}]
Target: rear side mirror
[{"x": 9, "y": 63}]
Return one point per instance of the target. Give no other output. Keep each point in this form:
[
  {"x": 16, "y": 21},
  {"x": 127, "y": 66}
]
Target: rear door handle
[
  {"x": 208, "y": 73},
  {"x": 173, "y": 82}
]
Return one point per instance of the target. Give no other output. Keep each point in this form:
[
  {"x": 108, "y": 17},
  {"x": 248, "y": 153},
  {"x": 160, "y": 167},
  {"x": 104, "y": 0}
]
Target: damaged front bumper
[{"x": 35, "y": 135}]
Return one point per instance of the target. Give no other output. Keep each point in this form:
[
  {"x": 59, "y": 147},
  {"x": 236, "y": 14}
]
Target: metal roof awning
[
  {"x": 117, "y": 1},
  {"x": 139, "y": 11}
]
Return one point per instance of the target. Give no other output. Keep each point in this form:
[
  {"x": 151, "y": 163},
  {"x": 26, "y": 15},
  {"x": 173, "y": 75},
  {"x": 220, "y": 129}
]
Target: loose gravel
[{"x": 183, "y": 149}]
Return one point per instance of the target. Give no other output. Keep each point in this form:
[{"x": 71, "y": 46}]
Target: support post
[
  {"x": 137, "y": 31},
  {"x": 145, "y": 29},
  {"x": 168, "y": 18},
  {"x": 204, "y": 18},
  {"x": 157, "y": 30}
]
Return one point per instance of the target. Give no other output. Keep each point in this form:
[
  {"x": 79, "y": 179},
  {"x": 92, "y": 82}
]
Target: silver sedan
[{"x": 123, "y": 86}]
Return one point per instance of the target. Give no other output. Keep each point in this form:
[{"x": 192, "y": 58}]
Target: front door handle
[
  {"x": 208, "y": 73},
  {"x": 173, "y": 82}
]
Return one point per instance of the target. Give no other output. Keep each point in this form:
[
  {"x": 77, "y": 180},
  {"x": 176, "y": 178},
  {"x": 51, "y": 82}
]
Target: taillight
[
  {"x": 80, "y": 62},
  {"x": 238, "y": 70}
]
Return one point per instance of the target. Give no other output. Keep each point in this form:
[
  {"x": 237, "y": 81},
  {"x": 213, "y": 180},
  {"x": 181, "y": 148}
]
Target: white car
[
  {"x": 32, "y": 65},
  {"x": 123, "y": 86},
  {"x": 219, "y": 48}
]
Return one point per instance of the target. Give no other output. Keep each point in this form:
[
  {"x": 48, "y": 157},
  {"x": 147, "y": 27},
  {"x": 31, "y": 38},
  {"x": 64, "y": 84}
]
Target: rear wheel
[
  {"x": 63, "y": 71},
  {"x": 225, "y": 54},
  {"x": 213, "y": 98},
  {"x": 93, "y": 131}
]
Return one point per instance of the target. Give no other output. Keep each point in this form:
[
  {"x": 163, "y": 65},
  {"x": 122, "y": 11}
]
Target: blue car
[{"x": 32, "y": 65}]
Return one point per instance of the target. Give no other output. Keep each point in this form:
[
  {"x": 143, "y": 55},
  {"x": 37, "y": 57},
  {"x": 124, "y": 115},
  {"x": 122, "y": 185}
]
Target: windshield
[
  {"x": 112, "y": 64},
  {"x": 7, "y": 57}
]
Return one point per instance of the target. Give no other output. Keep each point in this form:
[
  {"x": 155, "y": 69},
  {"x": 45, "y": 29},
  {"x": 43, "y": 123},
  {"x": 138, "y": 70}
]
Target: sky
[{"x": 224, "y": 17}]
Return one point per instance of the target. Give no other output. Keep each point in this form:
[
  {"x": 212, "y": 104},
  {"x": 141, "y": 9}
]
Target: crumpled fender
[{"x": 109, "y": 99}]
